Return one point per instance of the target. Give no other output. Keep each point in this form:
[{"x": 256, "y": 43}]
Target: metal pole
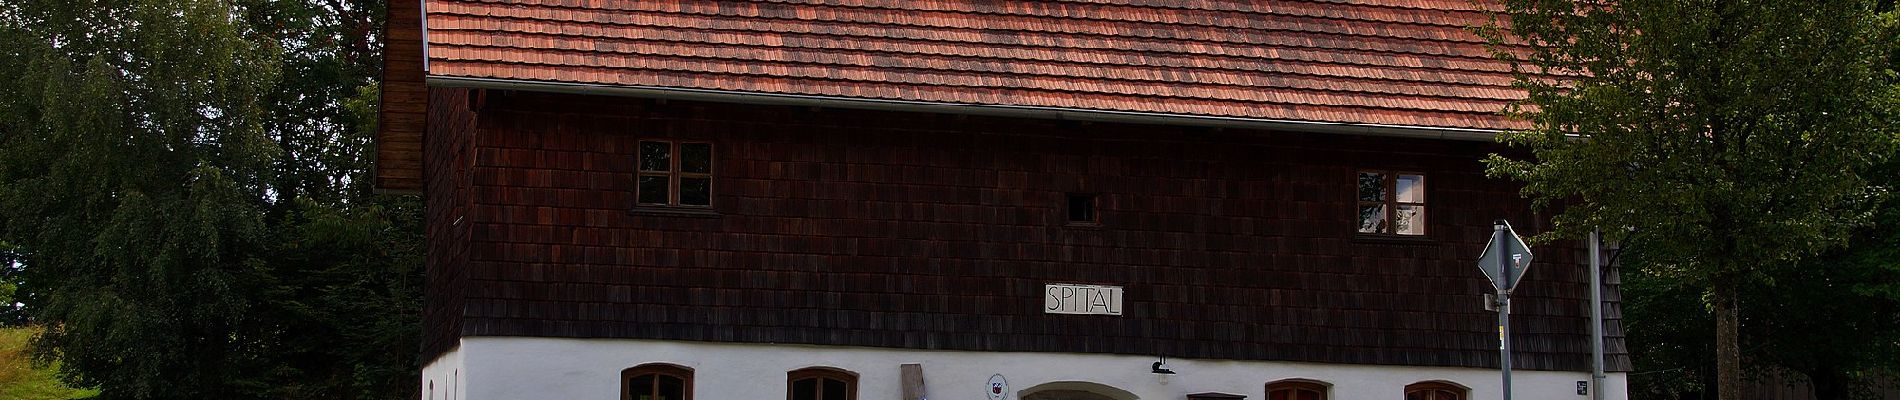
[
  {"x": 1596, "y": 315},
  {"x": 1504, "y": 302}
]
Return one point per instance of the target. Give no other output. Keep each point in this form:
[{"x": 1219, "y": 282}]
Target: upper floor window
[
  {"x": 1082, "y": 209},
  {"x": 656, "y": 382},
  {"x": 820, "y": 383},
  {"x": 1391, "y": 203},
  {"x": 1296, "y": 390},
  {"x": 675, "y": 174},
  {"x": 1434, "y": 391}
]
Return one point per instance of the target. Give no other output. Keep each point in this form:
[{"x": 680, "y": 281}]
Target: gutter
[{"x": 1036, "y": 112}]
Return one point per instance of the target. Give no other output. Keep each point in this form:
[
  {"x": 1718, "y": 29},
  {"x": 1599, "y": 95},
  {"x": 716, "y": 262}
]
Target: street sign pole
[
  {"x": 1501, "y": 230},
  {"x": 1596, "y": 316},
  {"x": 1504, "y": 261}
]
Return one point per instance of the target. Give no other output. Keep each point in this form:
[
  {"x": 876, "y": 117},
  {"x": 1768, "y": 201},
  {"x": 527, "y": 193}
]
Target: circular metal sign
[{"x": 998, "y": 387}]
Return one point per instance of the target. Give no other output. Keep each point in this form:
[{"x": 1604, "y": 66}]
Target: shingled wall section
[
  {"x": 449, "y": 198},
  {"x": 933, "y": 231}
]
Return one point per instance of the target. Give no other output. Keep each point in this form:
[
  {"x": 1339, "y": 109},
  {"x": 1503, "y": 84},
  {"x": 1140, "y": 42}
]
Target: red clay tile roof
[{"x": 1384, "y": 62}]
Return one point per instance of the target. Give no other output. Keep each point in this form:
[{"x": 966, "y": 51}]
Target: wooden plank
[
  {"x": 913, "y": 381},
  {"x": 404, "y": 113},
  {"x": 410, "y": 172},
  {"x": 394, "y": 183},
  {"x": 410, "y": 149}
]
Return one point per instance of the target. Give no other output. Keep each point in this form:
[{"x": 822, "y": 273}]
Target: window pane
[
  {"x": 695, "y": 191},
  {"x": 653, "y": 190},
  {"x": 656, "y": 156},
  {"x": 1411, "y": 188},
  {"x": 641, "y": 387},
  {"x": 696, "y": 158},
  {"x": 672, "y": 388},
  {"x": 1409, "y": 220},
  {"x": 805, "y": 389},
  {"x": 1371, "y": 186},
  {"x": 1081, "y": 208},
  {"x": 1372, "y": 218},
  {"x": 834, "y": 390},
  {"x": 1311, "y": 395},
  {"x": 1280, "y": 394}
]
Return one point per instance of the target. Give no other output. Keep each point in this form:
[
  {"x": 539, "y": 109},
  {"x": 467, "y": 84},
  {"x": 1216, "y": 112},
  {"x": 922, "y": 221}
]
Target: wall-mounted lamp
[{"x": 1160, "y": 373}]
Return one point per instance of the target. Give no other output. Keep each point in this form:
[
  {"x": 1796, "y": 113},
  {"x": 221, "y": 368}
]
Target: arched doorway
[{"x": 1075, "y": 391}]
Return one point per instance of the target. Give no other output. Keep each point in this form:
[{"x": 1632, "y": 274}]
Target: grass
[{"x": 21, "y": 380}]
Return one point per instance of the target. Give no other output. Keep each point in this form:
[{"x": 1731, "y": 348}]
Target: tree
[
  {"x": 135, "y": 154},
  {"x": 184, "y": 187},
  {"x": 1833, "y": 318},
  {"x": 1727, "y": 138}
]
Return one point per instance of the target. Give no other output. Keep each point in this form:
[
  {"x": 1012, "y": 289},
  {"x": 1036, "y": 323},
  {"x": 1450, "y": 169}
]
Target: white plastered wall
[
  {"x": 446, "y": 378},
  {"x": 492, "y": 368}
]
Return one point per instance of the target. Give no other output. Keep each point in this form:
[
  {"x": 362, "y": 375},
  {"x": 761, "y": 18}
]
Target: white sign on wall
[{"x": 1063, "y": 298}]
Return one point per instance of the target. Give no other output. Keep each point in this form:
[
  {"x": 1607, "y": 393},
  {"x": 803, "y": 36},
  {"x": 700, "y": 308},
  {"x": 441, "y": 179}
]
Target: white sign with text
[{"x": 1063, "y": 298}]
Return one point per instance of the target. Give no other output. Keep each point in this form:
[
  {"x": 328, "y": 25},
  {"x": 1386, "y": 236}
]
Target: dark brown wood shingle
[{"x": 938, "y": 232}]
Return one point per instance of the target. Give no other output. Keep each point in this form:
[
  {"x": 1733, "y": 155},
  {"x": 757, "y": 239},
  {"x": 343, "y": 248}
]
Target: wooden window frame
[
  {"x": 684, "y": 374},
  {"x": 1462, "y": 392},
  {"x": 849, "y": 378},
  {"x": 1392, "y": 203},
  {"x": 673, "y": 173},
  {"x": 1295, "y": 385}
]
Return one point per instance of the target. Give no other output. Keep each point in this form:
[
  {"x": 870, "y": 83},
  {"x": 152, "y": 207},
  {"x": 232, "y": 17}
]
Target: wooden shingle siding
[
  {"x": 1390, "y": 62},
  {"x": 404, "y": 109},
  {"x": 451, "y": 144},
  {"x": 929, "y": 231}
]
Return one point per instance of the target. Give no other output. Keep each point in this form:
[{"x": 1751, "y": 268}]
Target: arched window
[
  {"x": 656, "y": 382},
  {"x": 1296, "y": 389},
  {"x": 1435, "y": 390},
  {"x": 821, "y": 383}
]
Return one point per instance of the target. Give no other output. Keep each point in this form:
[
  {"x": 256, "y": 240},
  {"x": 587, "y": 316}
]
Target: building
[{"x": 967, "y": 200}]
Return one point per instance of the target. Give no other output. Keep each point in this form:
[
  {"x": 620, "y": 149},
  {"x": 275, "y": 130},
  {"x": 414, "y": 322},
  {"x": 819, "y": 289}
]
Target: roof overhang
[{"x": 1069, "y": 114}]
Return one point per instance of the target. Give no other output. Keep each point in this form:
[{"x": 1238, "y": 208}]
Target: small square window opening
[{"x": 1082, "y": 209}]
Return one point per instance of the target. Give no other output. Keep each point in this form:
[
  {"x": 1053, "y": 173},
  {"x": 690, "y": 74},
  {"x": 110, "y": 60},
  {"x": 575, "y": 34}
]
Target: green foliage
[
  {"x": 184, "y": 186},
  {"x": 1834, "y": 318},
  {"x": 347, "y": 300},
  {"x": 11, "y": 314},
  {"x": 1726, "y": 141},
  {"x": 1667, "y": 328},
  {"x": 22, "y": 379},
  {"x": 1728, "y": 136}
]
